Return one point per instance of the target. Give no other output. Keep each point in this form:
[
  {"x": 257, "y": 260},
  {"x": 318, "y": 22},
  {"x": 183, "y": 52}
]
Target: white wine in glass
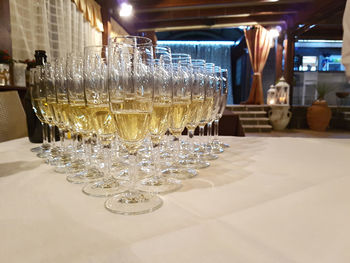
[{"x": 131, "y": 87}]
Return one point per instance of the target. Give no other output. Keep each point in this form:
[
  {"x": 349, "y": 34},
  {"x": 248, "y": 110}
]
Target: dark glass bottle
[{"x": 33, "y": 123}]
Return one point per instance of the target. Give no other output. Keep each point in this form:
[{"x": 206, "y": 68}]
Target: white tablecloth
[{"x": 264, "y": 200}]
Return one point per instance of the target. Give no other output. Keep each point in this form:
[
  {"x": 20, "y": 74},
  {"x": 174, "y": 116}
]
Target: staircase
[{"x": 253, "y": 117}]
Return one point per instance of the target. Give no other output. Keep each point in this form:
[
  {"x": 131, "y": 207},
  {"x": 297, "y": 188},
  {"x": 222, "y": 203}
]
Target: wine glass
[
  {"x": 36, "y": 96},
  {"x": 223, "y": 101},
  {"x": 162, "y": 106},
  {"x": 182, "y": 91},
  {"x": 207, "y": 109},
  {"x": 213, "y": 149},
  {"x": 195, "y": 112},
  {"x": 131, "y": 102},
  {"x": 102, "y": 121},
  {"x": 61, "y": 114},
  {"x": 49, "y": 103},
  {"x": 81, "y": 119}
]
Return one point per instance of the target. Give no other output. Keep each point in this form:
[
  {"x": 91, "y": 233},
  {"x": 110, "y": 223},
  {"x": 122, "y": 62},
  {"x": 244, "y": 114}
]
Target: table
[{"x": 264, "y": 200}]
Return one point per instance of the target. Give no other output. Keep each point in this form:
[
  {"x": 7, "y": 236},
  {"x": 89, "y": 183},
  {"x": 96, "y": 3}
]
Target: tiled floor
[{"x": 341, "y": 134}]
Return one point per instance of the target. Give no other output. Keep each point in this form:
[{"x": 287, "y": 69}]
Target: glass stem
[
  {"x": 156, "y": 161},
  {"x": 78, "y": 147},
  {"x": 52, "y": 135},
  {"x": 201, "y": 136},
  {"x": 216, "y": 130},
  {"x": 45, "y": 139},
  {"x": 177, "y": 146},
  {"x": 209, "y": 129},
  {"x": 62, "y": 139},
  {"x": 107, "y": 159},
  {"x": 132, "y": 171},
  {"x": 190, "y": 141},
  {"x": 201, "y": 130},
  {"x": 87, "y": 149}
]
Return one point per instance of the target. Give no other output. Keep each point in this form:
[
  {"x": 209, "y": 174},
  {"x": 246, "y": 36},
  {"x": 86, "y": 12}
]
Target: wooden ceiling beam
[
  {"x": 157, "y": 5},
  {"x": 212, "y": 23},
  {"x": 270, "y": 9},
  {"x": 316, "y": 15}
]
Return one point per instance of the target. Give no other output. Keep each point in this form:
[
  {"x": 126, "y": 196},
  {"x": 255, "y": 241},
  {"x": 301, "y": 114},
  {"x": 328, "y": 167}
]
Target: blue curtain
[{"x": 217, "y": 52}]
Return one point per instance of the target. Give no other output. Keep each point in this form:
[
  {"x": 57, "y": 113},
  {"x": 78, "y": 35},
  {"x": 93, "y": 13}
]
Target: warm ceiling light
[
  {"x": 125, "y": 10},
  {"x": 270, "y": 1},
  {"x": 274, "y": 33}
]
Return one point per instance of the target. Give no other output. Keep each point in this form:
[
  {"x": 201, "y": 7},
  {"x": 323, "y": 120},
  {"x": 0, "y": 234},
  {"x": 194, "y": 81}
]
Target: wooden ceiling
[{"x": 313, "y": 19}]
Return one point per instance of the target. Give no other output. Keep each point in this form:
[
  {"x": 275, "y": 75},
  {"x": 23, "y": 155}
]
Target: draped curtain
[
  {"x": 258, "y": 43},
  {"x": 56, "y": 26}
]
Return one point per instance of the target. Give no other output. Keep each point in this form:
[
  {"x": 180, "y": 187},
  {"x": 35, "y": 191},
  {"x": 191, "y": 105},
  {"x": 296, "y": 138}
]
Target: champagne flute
[
  {"x": 163, "y": 96},
  {"x": 216, "y": 108},
  {"x": 182, "y": 91},
  {"x": 81, "y": 119},
  {"x": 207, "y": 110},
  {"x": 61, "y": 113},
  {"x": 131, "y": 102},
  {"x": 195, "y": 112},
  {"x": 36, "y": 95},
  {"x": 48, "y": 102},
  {"x": 102, "y": 121},
  {"x": 223, "y": 101}
]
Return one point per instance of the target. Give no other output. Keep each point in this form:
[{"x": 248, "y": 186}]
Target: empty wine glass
[
  {"x": 213, "y": 149},
  {"x": 223, "y": 101}
]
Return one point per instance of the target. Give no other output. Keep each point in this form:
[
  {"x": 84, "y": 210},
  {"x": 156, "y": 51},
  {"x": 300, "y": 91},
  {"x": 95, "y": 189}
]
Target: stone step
[
  {"x": 255, "y": 121},
  {"x": 257, "y": 128},
  {"x": 248, "y": 107},
  {"x": 251, "y": 114}
]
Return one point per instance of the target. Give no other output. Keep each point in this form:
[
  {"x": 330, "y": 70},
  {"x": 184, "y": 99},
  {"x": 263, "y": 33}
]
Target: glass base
[
  {"x": 77, "y": 166},
  {"x": 194, "y": 163},
  {"x": 133, "y": 203},
  {"x": 180, "y": 173},
  {"x": 63, "y": 169},
  {"x": 105, "y": 188},
  {"x": 224, "y": 145},
  {"x": 208, "y": 156},
  {"x": 123, "y": 175},
  {"x": 159, "y": 185},
  {"x": 43, "y": 154},
  {"x": 64, "y": 163},
  {"x": 36, "y": 149},
  {"x": 217, "y": 149},
  {"x": 91, "y": 175}
]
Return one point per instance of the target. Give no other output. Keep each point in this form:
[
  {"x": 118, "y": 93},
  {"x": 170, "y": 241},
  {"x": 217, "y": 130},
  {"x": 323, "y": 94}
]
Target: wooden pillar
[
  {"x": 289, "y": 63},
  {"x": 279, "y": 56},
  {"x": 106, "y": 20}
]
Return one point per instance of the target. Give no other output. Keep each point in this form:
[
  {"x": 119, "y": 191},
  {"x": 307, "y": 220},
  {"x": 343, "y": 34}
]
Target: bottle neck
[{"x": 40, "y": 57}]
